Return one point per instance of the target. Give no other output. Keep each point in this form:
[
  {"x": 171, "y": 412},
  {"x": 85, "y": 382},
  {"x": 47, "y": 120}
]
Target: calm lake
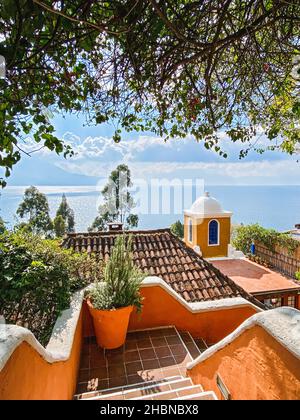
[{"x": 271, "y": 206}]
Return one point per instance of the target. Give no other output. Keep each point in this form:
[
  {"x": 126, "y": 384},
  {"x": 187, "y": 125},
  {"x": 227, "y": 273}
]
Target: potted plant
[{"x": 112, "y": 300}]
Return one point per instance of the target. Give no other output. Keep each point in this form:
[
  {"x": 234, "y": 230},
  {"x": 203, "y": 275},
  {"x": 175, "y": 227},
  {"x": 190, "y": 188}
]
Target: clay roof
[
  {"x": 160, "y": 253},
  {"x": 254, "y": 278}
]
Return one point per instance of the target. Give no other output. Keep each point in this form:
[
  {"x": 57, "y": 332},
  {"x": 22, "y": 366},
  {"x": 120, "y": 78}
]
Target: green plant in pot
[{"x": 112, "y": 300}]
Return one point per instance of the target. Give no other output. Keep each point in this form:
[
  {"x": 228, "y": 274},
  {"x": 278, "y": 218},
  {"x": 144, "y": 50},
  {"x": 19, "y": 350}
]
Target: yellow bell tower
[{"x": 207, "y": 227}]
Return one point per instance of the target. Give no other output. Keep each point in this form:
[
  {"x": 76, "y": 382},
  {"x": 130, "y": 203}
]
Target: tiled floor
[{"x": 149, "y": 355}]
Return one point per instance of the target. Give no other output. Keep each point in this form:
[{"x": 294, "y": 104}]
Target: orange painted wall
[
  {"x": 253, "y": 367},
  {"x": 162, "y": 309},
  {"x": 200, "y": 236},
  {"x": 27, "y": 376}
]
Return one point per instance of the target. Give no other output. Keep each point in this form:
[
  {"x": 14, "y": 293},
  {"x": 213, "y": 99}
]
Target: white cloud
[{"x": 250, "y": 173}]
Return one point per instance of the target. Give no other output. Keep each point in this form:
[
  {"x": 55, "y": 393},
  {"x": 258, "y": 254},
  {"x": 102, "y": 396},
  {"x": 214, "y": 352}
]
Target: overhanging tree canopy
[{"x": 172, "y": 67}]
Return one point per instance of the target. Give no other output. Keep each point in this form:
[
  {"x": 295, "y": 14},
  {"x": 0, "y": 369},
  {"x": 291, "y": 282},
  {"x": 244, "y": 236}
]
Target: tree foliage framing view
[{"x": 175, "y": 68}]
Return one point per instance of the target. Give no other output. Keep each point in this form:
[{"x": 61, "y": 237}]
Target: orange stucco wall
[
  {"x": 200, "y": 236},
  {"x": 27, "y": 376},
  {"x": 162, "y": 309},
  {"x": 253, "y": 367}
]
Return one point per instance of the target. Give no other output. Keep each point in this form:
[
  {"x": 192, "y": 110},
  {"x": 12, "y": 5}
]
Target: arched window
[
  {"x": 190, "y": 230},
  {"x": 213, "y": 232}
]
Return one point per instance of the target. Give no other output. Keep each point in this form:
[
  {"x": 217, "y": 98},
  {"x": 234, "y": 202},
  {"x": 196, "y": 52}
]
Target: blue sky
[{"x": 148, "y": 157}]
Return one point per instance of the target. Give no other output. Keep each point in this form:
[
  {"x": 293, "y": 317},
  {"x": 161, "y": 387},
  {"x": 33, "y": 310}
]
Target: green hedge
[
  {"x": 243, "y": 236},
  {"x": 37, "y": 279}
]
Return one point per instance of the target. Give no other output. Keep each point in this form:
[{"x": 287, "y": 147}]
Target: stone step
[
  {"x": 190, "y": 344},
  {"x": 126, "y": 391},
  {"x": 207, "y": 396},
  {"x": 174, "y": 393}
]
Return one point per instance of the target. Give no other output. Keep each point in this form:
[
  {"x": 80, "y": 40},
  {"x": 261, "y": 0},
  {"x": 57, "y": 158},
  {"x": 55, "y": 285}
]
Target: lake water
[{"x": 271, "y": 206}]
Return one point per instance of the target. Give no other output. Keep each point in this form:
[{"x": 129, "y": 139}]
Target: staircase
[
  {"x": 195, "y": 346},
  {"x": 173, "y": 388},
  {"x": 157, "y": 360}
]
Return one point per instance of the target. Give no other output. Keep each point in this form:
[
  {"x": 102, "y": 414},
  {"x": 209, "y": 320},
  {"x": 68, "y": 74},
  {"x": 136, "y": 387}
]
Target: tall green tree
[
  {"x": 173, "y": 67},
  {"x": 2, "y": 226},
  {"x": 35, "y": 210},
  {"x": 59, "y": 226},
  {"x": 177, "y": 229},
  {"x": 118, "y": 201},
  {"x": 67, "y": 214}
]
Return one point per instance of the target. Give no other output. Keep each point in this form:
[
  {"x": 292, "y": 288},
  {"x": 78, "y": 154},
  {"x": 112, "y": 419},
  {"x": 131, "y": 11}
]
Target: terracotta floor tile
[
  {"x": 83, "y": 375},
  {"x": 169, "y": 332},
  {"x": 99, "y": 373},
  {"x": 116, "y": 382},
  {"x": 178, "y": 349},
  {"x": 182, "y": 371},
  {"x": 176, "y": 385},
  {"x": 81, "y": 387},
  {"x": 152, "y": 375},
  {"x": 115, "y": 371},
  {"x": 132, "y": 356},
  {"x": 142, "y": 334},
  {"x": 102, "y": 384},
  {"x": 131, "y": 336},
  {"x": 162, "y": 352},
  {"x": 172, "y": 371},
  {"x": 150, "y": 356},
  {"x": 168, "y": 396},
  {"x": 186, "y": 337},
  {"x": 134, "y": 379},
  {"x": 144, "y": 343},
  {"x": 182, "y": 359},
  {"x": 159, "y": 342},
  {"x": 115, "y": 397},
  {"x": 156, "y": 333},
  {"x": 167, "y": 362},
  {"x": 85, "y": 361},
  {"x": 173, "y": 340},
  {"x": 133, "y": 367},
  {"x": 130, "y": 345},
  {"x": 85, "y": 349},
  {"x": 147, "y": 354},
  {"x": 97, "y": 384},
  {"x": 91, "y": 385},
  {"x": 118, "y": 350},
  {"x": 114, "y": 359},
  {"x": 151, "y": 364},
  {"x": 97, "y": 362},
  {"x": 94, "y": 349},
  {"x": 134, "y": 394}
]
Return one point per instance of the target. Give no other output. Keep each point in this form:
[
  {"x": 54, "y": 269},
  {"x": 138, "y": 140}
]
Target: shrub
[
  {"x": 120, "y": 285},
  {"x": 177, "y": 229},
  {"x": 36, "y": 280},
  {"x": 243, "y": 236}
]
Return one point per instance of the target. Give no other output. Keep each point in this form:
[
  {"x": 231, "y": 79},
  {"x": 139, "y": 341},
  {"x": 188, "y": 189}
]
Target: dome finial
[{"x": 206, "y": 194}]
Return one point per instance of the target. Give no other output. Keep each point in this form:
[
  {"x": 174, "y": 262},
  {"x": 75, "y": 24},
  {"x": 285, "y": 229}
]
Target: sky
[{"x": 148, "y": 157}]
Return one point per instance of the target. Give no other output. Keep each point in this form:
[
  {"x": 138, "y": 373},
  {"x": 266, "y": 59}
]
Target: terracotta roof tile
[{"x": 158, "y": 252}]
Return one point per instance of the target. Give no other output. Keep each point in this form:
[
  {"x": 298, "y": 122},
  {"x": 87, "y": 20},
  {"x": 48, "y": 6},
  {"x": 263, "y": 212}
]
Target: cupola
[{"x": 207, "y": 227}]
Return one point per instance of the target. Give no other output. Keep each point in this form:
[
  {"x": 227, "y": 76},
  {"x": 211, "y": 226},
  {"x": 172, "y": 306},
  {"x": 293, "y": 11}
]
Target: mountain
[{"x": 39, "y": 171}]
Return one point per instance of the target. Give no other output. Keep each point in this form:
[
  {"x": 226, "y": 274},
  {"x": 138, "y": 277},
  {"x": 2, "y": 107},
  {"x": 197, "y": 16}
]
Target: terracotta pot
[{"x": 110, "y": 325}]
